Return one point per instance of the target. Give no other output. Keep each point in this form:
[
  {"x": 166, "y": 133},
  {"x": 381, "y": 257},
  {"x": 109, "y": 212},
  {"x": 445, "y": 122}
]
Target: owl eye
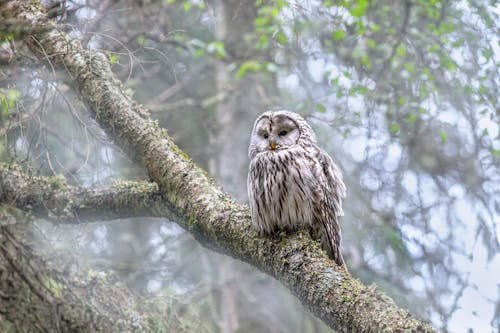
[
  {"x": 283, "y": 133},
  {"x": 266, "y": 136}
]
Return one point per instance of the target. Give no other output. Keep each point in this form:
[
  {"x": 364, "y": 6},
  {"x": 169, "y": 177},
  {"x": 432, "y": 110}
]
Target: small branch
[
  {"x": 93, "y": 24},
  {"x": 189, "y": 102},
  {"x": 402, "y": 33}
]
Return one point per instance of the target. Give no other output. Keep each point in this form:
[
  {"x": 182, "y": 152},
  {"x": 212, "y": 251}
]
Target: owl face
[{"x": 274, "y": 131}]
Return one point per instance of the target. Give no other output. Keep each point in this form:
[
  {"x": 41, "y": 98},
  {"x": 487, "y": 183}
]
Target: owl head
[{"x": 279, "y": 130}]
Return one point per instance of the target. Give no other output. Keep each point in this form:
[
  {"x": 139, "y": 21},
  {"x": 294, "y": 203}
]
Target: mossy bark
[
  {"x": 204, "y": 209},
  {"x": 53, "y": 199}
]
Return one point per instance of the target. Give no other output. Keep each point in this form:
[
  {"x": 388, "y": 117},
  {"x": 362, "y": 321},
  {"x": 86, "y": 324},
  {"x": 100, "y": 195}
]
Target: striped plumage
[{"x": 292, "y": 183}]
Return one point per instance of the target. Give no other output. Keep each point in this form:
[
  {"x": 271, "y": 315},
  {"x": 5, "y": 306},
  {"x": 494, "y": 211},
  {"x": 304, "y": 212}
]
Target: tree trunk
[
  {"x": 204, "y": 209},
  {"x": 233, "y": 116}
]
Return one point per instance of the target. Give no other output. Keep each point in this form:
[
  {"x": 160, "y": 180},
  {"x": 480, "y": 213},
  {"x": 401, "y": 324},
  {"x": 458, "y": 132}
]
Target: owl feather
[{"x": 292, "y": 183}]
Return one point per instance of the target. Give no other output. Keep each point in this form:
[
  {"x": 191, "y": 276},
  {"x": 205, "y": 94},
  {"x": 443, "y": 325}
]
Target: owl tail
[{"x": 333, "y": 245}]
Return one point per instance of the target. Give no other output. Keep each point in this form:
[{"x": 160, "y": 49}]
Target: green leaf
[
  {"x": 432, "y": 13},
  {"x": 421, "y": 110},
  {"x": 328, "y": 3},
  {"x": 459, "y": 42},
  {"x": 320, "y": 108},
  {"x": 396, "y": 241},
  {"x": 412, "y": 118},
  {"x": 199, "y": 53},
  {"x": 449, "y": 64},
  {"x": 113, "y": 58},
  {"x": 338, "y": 34},
  {"x": 261, "y": 21},
  {"x": 365, "y": 60},
  {"x": 495, "y": 152},
  {"x": 8, "y": 99},
  {"x": 281, "y": 38},
  {"x": 394, "y": 128},
  {"x": 375, "y": 27},
  {"x": 13, "y": 94},
  {"x": 360, "y": 28},
  {"x": 487, "y": 53},
  {"x": 422, "y": 91},
  {"x": 434, "y": 48},
  {"x": 263, "y": 42},
  {"x": 443, "y": 136},
  {"x": 409, "y": 67},
  {"x": 371, "y": 43},
  {"x": 445, "y": 28},
  {"x": 427, "y": 72},
  {"x": 358, "y": 89},
  {"x": 402, "y": 101},
  {"x": 468, "y": 89},
  {"x": 401, "y": 50},
  {"x": 482, "y": 89},
  {"x": 5, "y": 37},
  {"x": 360, "y": 9},
  {"x": 251, "y": 65},
  {"x": 141, "y": 40},
  {"x": 218, "y": 49}
]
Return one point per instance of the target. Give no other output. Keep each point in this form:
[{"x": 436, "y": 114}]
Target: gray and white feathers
[{"x": 292, "y": 183}]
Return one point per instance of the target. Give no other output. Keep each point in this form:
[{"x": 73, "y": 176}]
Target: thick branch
[
  {"x": 53, "y": 199},
  {"x": 341, "y": 301}
]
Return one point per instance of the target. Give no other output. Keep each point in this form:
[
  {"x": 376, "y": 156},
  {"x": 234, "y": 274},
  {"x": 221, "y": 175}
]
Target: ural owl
[{"x": 292, "y": 183}]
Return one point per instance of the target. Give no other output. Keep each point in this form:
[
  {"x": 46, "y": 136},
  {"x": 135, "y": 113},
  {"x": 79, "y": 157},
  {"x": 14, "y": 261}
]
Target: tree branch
[
  {"x": 52, "y": 198},
  {"x": 215, "y": 220}
]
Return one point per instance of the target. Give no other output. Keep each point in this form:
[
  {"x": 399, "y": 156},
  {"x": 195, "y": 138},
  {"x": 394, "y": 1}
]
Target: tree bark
[{"x": 205, "y": 210}]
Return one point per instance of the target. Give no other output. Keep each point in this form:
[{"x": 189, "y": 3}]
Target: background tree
[{"x": 403, "y": 94}]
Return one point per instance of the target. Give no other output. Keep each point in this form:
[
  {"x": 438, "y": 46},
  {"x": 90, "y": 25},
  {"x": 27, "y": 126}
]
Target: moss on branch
[{"x": 52, "y": 198}]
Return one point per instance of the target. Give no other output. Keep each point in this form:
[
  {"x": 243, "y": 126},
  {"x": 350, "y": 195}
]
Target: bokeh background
[{"x": 403, "y": 94}]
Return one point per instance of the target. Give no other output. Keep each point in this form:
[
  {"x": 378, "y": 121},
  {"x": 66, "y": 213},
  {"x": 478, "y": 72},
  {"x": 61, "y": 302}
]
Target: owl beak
[{"x": 272, "y": 145}]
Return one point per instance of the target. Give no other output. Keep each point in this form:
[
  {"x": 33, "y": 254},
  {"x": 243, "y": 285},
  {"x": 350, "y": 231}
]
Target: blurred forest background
[{"x": 403, "y": 94}]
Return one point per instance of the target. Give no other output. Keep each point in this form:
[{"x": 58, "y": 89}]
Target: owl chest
[{"x": 287, "y": 192}]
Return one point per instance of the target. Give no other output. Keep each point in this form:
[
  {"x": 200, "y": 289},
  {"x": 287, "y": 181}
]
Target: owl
[{"x": 292, "y": 183}]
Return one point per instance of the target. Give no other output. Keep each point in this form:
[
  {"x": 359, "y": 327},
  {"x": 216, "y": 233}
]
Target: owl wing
[
  {"x": 328, "y": 205},
  {"x": 251, "y": 186},
  {"x": 255, "y": 188}
]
